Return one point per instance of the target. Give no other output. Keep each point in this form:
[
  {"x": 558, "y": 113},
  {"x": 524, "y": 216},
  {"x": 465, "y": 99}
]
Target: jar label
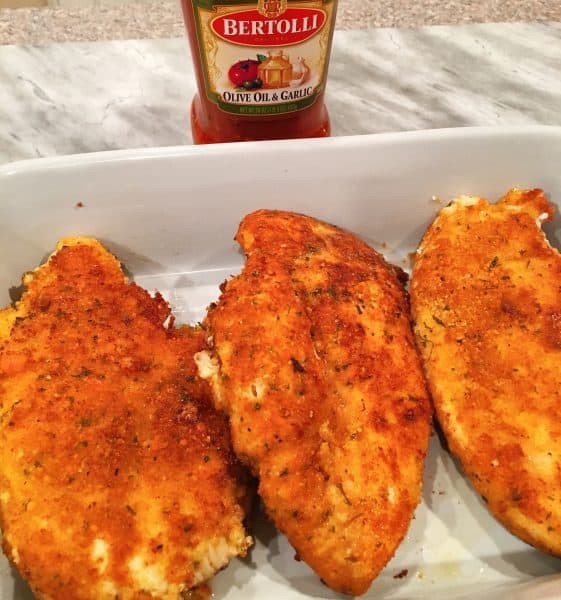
[{"x": 264, "y": 58}]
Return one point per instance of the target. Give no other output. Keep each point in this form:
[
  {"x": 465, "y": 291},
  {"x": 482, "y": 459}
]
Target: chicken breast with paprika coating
[
  {"x": 486, "y": 300},
  {"x": 314, "y": 361},
  {"x": 117, "y": 477}
]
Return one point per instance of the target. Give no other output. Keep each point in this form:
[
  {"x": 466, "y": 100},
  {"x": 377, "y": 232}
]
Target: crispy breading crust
[
  {"x": 486, "y": 301},
  {"x": 116, "y": 474},
  {"x": 315, "y": 363}
]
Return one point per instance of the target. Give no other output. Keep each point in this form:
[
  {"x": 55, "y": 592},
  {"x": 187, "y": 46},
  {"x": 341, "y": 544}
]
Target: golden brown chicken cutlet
[
  {"x": 314, "y": 361},
  {"x": 486, "y": 299},
  {"x": 117, "y": 478}
]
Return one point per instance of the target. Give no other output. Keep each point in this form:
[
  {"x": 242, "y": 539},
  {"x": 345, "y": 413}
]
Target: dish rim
[{"x": 18, "y": 167}]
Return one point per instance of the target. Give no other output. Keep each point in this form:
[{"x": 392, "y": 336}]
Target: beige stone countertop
[{"x": 112, "y": 19}]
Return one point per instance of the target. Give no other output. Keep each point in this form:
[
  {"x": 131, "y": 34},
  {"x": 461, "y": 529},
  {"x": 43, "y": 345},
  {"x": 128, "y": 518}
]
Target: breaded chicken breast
[
  {"x": 117, "y": 478},
  {"x": 486, "y": 299},
  {"x": 314, "y": 361}
]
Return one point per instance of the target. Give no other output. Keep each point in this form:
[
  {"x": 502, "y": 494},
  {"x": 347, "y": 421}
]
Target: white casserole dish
[{"x": 170, "y": 215}]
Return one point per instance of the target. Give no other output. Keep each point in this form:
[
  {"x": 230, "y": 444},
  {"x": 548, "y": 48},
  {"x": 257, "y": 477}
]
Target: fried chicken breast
[
  {"x": 117, "y": 478},
  {"x": 314, "y": 361},
  {"x": 486, "y": 300}
]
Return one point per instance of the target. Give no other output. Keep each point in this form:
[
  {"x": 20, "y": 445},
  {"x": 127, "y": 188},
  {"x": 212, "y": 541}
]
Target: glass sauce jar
[{"x": 261, "y": 68}]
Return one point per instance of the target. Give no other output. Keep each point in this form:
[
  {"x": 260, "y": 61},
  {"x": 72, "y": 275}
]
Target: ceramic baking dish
[{"x": 170, "y": 215}]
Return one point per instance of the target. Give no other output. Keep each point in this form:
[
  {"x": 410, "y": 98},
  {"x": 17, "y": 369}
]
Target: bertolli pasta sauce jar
[{"x": 261, "y": 68}]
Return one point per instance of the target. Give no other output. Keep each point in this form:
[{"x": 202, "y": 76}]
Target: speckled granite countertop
[{"x": 151, "y": 19}]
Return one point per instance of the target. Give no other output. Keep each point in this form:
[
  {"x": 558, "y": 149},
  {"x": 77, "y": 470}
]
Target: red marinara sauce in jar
[{"x": 261, "y": 68}]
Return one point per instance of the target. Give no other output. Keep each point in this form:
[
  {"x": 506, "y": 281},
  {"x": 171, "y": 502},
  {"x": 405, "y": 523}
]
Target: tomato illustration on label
[{"x": 245, "y": 73}]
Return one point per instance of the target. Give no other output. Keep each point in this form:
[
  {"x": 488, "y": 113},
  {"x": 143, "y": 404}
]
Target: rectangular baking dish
[{"x": 170, "y": 215}]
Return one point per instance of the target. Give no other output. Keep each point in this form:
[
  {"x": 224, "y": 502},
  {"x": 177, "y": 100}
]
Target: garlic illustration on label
[{"x": 300, "y": 72}]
